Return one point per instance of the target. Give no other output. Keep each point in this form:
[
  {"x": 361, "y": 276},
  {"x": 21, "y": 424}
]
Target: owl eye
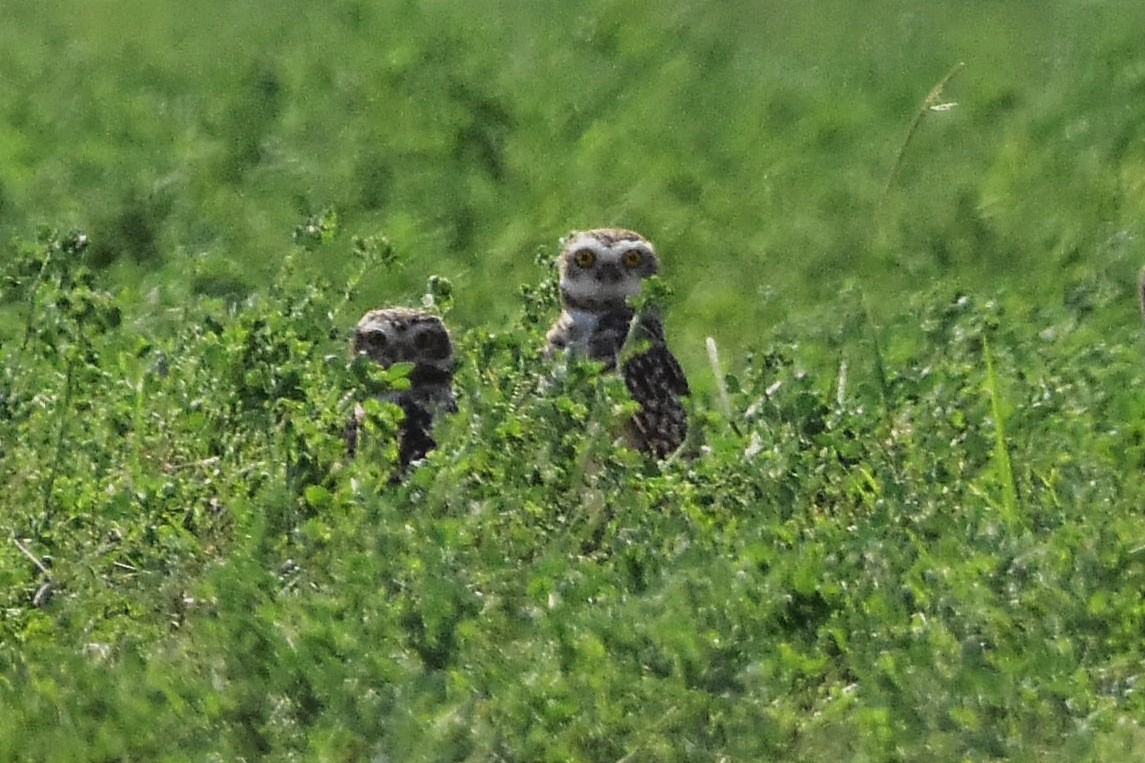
[
  {"x": 372, "y": 341},
  {"x": 633, "y": 258},
  {"x": 432, "y": 344},
  {"x": 584, "y": 258}
]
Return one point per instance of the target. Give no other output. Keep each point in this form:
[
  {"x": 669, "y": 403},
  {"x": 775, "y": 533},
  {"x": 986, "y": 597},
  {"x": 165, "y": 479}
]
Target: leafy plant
[{"x": 907, "y": 524}]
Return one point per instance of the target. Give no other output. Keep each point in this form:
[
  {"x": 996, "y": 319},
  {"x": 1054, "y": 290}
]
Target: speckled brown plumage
[
  {"x": 402, "y": 335},
  {"x": 600, "y": 271}
]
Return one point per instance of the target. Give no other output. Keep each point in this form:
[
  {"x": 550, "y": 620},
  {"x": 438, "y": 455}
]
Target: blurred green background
[
  {"x": 914, "y": 532},
  {"x": 754, "y": 142}
]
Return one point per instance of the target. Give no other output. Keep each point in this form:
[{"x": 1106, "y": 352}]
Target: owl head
[
  {"x": 601, "y": 269},
  {"x": 401, "y": 335}
]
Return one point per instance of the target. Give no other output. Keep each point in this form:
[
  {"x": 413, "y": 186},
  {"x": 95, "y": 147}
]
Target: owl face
[
  {"x": 399, "y": 335},
  {"x": 604, "y": 266}
]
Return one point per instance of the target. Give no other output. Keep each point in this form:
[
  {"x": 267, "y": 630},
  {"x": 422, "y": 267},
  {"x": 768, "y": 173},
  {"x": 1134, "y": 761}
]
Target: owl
[
  {"x": 401, "y": 335},
  {"x": 600, "y": 271}
]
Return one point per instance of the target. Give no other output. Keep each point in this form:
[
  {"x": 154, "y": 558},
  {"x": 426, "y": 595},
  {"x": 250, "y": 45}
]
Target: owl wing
[
  {"x": 657, "y": 360},
  {"x": 656, "y": 381},
  {"x": 415, "y": 439}
]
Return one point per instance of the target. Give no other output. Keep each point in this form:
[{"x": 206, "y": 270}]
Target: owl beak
[{"x": 609, "y": 272}]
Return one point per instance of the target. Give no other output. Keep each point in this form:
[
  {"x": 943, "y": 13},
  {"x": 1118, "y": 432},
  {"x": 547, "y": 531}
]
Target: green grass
[
  {"x": 910, "y": 531},
  {"x": 756, "y": 142}
]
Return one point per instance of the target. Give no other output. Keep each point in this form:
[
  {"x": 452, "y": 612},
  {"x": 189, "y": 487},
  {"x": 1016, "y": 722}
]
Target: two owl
[{"x": 600, "y": 271}]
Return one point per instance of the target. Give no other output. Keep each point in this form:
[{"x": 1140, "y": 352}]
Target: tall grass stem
[{"x": 1002, "y": 461}]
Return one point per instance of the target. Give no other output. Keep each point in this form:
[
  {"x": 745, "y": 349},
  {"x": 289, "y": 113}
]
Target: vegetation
[{"x": 906, "y": 526}]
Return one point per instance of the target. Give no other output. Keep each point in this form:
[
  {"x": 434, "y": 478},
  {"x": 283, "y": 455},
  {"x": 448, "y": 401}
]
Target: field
[{"x": 907, "y": 525}]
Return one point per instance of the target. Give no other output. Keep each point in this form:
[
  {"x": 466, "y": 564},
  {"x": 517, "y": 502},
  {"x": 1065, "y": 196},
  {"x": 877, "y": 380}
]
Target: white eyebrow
[{"x": 586, "y": 242}]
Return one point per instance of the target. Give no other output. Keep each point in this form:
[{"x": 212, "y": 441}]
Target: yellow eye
[
  {"x": 584, "y": 257},
  {"x": 633, "y": 258}
]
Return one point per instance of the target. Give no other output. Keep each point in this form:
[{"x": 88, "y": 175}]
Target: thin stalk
[
  {"x": 33, "y": 300},
  {"x": 932, "y": 102},
  {"x": 61, "y": 431},
  {"x": 880, "y": 362},
  {"x": 1141, "y": 291},
  {"x": 718, "y": 372},
  {"x": 1002, "y": 460}
]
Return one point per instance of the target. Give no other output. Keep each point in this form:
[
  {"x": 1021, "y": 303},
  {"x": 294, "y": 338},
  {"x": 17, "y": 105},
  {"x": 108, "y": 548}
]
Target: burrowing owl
[
  {"x": 400, "y": 335},
  {"x": 600, "y": 270}
]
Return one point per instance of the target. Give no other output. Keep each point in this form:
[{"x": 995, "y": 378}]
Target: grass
[{"x": 909, "y": 529}]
